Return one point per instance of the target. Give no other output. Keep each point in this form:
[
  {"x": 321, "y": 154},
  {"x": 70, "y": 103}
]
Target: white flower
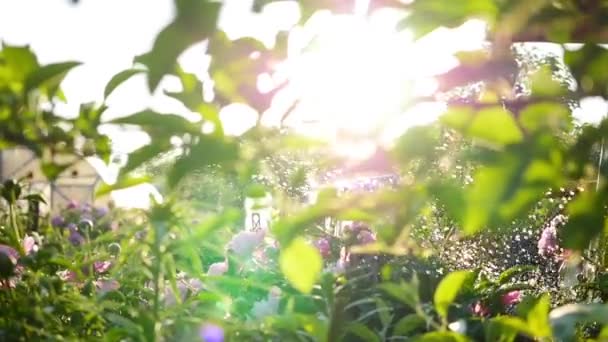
[
  {"x": 460, "y": 326},
  {"x": 245, "y": 242}
]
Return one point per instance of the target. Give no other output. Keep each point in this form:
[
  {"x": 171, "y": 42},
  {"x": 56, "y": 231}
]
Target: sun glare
[{"x": 353, "y": 74}]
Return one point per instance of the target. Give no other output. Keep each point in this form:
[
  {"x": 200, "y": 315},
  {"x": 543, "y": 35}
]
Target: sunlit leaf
[
  {"x": 538, "y": 317},
  {"x": 49, "y": 76},
  {"x": 549, "y": 115},
  {"x": 119, "y": 79},
  {"x": 195, "y": 21},
  {"x": 122, "y": 183},
  {"x": 448, "y": 289},
  {"x": 301, "y": 264},
  {"x": 495, "y": 125}
]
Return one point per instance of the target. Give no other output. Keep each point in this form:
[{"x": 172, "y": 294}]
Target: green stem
[
  {"x": 17, "y": 236},
  {"x": 156, "y": 278}
]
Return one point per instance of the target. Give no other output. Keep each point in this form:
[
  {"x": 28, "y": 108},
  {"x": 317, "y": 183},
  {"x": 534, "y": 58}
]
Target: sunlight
[{"x": 353, "y": 76}]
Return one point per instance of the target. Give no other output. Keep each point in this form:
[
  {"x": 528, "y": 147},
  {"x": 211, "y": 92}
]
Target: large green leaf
[
  {"x": 448, "y": 289},
  {"x": 17, "y": 62},
  {"x": 301, "y": 264},
  {"x": 538, "y": 317},
  {"x": 49, "y": 77},
  {"x": 195, "y": 21}
]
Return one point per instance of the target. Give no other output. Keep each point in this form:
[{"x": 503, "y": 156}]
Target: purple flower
[
  {"x": 211, "y": 333},
  {"x": 76, "y": 238},
  {"x": 547, "y": 244},
  {"x": 324, "y": 247},
  {"x": 72, "y": 204},
  {"x": 365, "y": 237},
  {"x": 101, "y": 212},
  {"x": 58, "y": 221}
]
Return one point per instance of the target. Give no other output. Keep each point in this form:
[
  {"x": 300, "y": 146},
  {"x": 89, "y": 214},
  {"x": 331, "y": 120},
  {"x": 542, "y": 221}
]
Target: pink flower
[
  {"x": 29, "y": 245},
  {"x": 104, "y": 286},
  {"x": 547, "y": 244},
  {"x": 218, "y": 268},
  {"x": 511, "y": 297},
  {"x": 101, "y": 266},
  {"x": 480, "y": 310},
  {"x": 324, "y": 247}
]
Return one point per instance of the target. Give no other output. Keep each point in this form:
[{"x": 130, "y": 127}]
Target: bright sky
[{"x": 340, "y": 83}]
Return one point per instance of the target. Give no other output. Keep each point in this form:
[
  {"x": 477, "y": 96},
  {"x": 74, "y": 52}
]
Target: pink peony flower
[{"x": 511, "y": 298}]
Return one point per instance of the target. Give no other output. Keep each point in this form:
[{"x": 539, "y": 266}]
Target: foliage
[{"x": 161, "y": 276}]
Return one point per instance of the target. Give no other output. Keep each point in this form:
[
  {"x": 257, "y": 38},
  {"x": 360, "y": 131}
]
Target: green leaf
[
  {"x": 458, "y": 118},
  {"x": 17, "y": 63},
  {"x": 417, "y": 142},
  {"x": 122, "y": 183},
  {"x": 508, "y": 275},
  {"x": 119, "y": 79},
  {"x": 195, "y": 21},
  {"x": 157, "y": 124},
  {"x": 565, "y": 319},
  {"x": 145, "y": 154},
  {"x": 49, "y": 76},
  {"x": 448, "y": 289},
  {"x": 408, "y": 324},
  {"x": 538, "y": 317},
  {"x": 585, "y": 220},
  {"x": 543, "y": 84},
  {"x": 210, "y": 150},
  {"x": 495, "y": 125},
  {"x": 546, "y": 115},
  {"x": 428, "y": 15},
  {"x": 505, "y": 328},
  {"x": 363, "y": 332},
  {"x": 404, "y": 292},
  {"x": 301, "y": 264},
  {"x": 440, "y": 336}
]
